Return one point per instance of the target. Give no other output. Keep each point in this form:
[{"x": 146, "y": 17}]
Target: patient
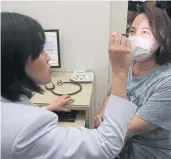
[{"x": 149, "y": 85}]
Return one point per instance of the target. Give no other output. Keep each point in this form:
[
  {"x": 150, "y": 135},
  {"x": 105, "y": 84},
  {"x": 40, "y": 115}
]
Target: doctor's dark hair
[
  {"x": 21, "y": 37},
  {"x": 160, "y": 24}
]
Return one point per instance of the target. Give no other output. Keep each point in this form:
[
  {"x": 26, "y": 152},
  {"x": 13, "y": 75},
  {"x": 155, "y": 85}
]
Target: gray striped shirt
[{"x": 152, "y": 95}]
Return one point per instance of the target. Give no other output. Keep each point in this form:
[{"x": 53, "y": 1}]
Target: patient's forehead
[{"x": 141, "y": 21}]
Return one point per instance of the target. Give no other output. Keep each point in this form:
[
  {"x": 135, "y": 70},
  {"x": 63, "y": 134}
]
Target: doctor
[{"x": 33, "y": 133}]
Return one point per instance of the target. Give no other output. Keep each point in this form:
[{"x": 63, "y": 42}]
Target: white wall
[{"x": 84, "y": 32}]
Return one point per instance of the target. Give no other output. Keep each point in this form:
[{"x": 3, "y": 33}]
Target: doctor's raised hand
[{"x": 120, "y": 54}]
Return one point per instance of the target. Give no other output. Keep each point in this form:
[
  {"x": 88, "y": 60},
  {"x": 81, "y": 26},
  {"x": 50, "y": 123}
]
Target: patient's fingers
[
  {"x": 99, "y": 121},
  {"x": 95, "y": 122}
]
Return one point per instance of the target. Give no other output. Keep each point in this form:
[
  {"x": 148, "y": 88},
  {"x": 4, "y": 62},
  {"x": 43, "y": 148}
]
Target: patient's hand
[
  {"x": 59, "y": 104},
  {"x": 98, "y": 120}
]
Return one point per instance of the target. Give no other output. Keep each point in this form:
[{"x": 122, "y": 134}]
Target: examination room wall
[{"x": 84, "y": 33}]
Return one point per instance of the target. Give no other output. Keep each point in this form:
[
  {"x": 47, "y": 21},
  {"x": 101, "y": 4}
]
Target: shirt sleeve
[
  {"x": 157, "y": 110},
  {"x": 43, "y": 138}
]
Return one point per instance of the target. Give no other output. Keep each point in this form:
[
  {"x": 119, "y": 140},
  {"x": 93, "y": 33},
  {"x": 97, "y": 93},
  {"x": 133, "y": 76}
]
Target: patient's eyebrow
[
  {"x": 145, "y": 28},
  {"x": 132, "y": 28}
]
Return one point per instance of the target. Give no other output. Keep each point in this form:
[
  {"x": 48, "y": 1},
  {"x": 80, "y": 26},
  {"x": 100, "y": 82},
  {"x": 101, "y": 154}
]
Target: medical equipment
[
  {"x": 82, "y": 76},
  {"x": 125, "y": 35},
  {"x": 60, "y": 83}
]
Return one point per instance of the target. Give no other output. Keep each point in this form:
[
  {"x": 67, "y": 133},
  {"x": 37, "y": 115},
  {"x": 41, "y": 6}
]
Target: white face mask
[{"x": 143, "y": 48}]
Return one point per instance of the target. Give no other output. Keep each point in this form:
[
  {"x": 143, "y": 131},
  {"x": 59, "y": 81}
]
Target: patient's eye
[
  {"x": 146, "y": 32},
  {"x": 131, "y": 32}
]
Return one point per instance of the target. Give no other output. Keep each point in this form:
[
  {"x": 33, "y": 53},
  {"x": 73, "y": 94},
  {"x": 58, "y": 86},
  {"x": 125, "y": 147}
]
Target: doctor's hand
[
  {"x": 59, "y": 104},
  {"x": 120, "y": 53}
]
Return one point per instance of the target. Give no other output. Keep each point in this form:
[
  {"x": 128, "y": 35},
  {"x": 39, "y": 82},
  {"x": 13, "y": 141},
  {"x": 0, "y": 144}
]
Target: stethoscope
[{"x": 60, "y": 83}]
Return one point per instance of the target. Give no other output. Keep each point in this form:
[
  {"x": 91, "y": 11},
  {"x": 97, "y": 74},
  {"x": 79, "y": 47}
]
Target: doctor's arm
[{"x": 43, "y": 138}]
